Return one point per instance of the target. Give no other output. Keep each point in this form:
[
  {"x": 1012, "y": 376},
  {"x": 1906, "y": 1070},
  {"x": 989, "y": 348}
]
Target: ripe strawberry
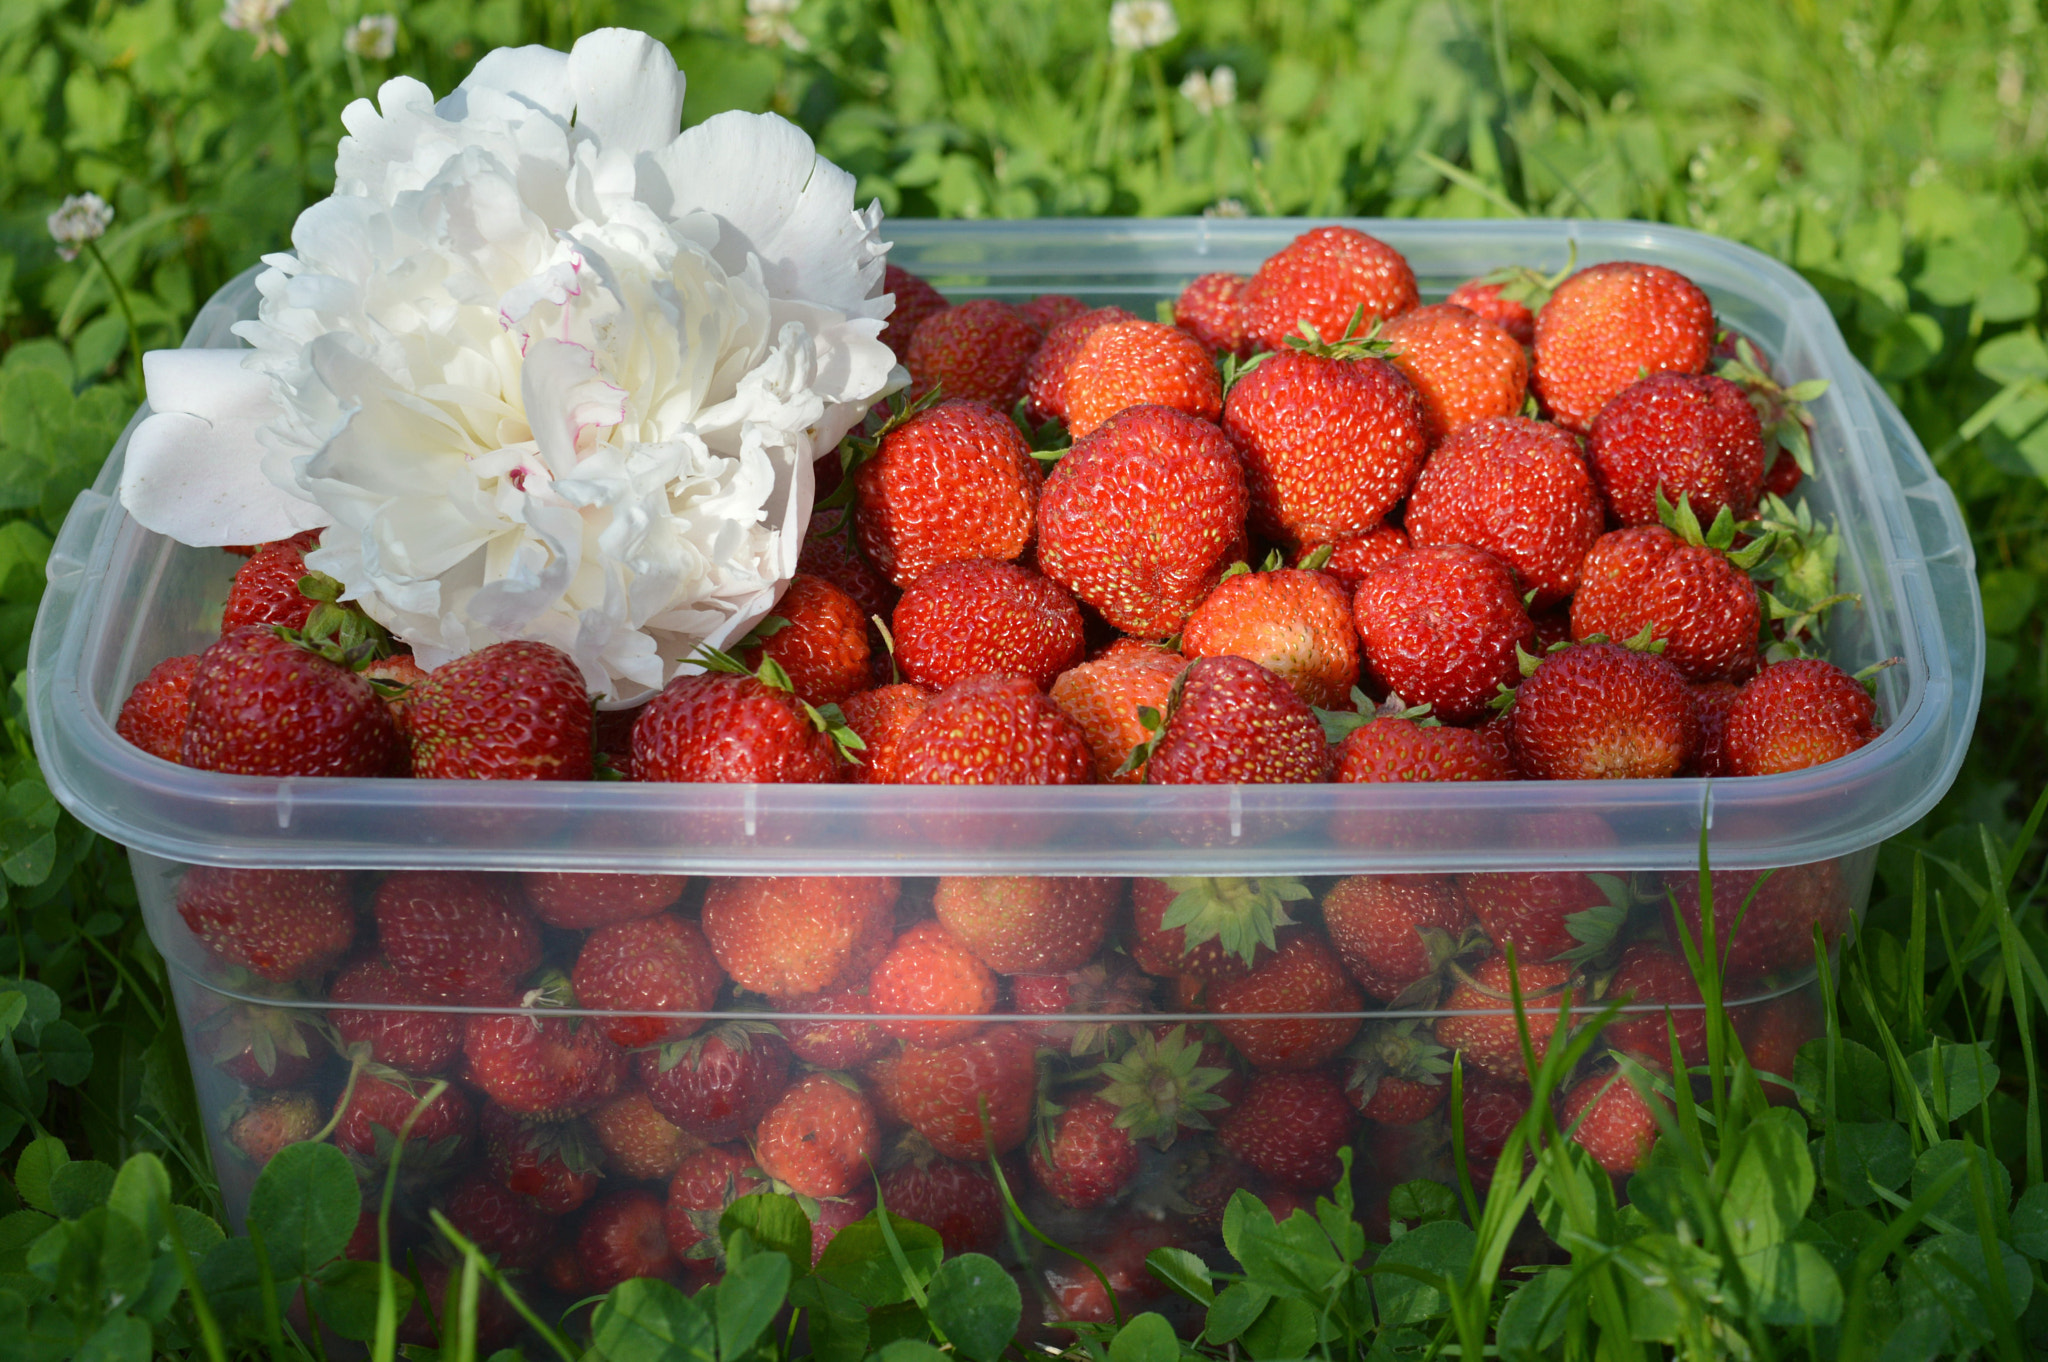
[
  {"x": 511, "y": 711},
  {"x": 976, "y": 350},
  {"x": 423, "y": 1043},
  {"x": 1142, "y": 516},
  {"x": 1463, "y": 366},
  {"x": 1796, "y": 714},
  {"x": 1325, "y": 277},
  {"x": 1611, "y": 1120},
  {"x": 1481, "y": 1022},
  {"x": 1607, "y": 324},
  {"x": 1704, "y": 607},
  {"x": 550, "y": 1068},
  {"x": 957, "y": 1199},
  {"x": 153, "y": 716},
  {"x": 1440, "y": 627},
  {"x": 1394, "y": 931},
  {"x": 835, "y": 1044},
  {"x": 1304, "y": 975},
  {"x": 715, "y": 726},
  {"x": 993, "y": 730},
  {"x": 982, "y": 616},
  {"x": 1046, "y": 375},
  {"x": 1048, "y": 310},
  {"x": 829, "y": 552},
  {"x": 1533, "y": 910},
  {"x": 717, "y": 1084},
  {"x": 1103, "y": 696},
  {"x": 280, "y": 924},
  {"x": 1649, "y": 975},
  {"x": 1290, "y": 1126},
  {"x": 622, "y": 1237},
  {"x": 264, "y": 706},
  {"x": 1772, "y": 1033},
  {"x": 1484, "y": 299},
  {"x": 1693, "y": 438},
  {"x": 835, "y": 1214},
  {"x": 402, "y": 676},
  {"x": 1028, "y": 924},
  {"x": 1085, "y": 1160},
  {"x": 1167, "y": 1079},
  {"x": 1397, "y": 1077},
  {"x": 819, "y": 1138},
  {"x": 456, "y": 933},
  {"x": 638, "y": 1141},
  {"x": 1711, "y": 701},
  {"x": 1765, "y": 919},
  {"x": 582, "y": 900},
  {"x": 929, "y": 970},
  {"x": 790, "y": 936},
  {"x": 881, "y": 717},
  {"x": 1329, "y": 443},
  {"x": 1518, "y": 489},
  {"x": 1138, "y": 363},
  {"x": 1295, "y": 624},
  {"x": 1393, "y": 747},
  {"x": 954, "y": 481},
  {"x": 373, "y": 1112},
  {"x": 507, "y": 1227},
  {"x": 704, "y": 1185},
  {"x": 259, "y": 1047},
  {"x": 1491, "y": 1113},
  {"x": 1211, "y": 309},
  {"x": 1353, "y": 557},
  {"x": 965, "y": 1096},
  {"x": 1076, "y": 1295},
  {"x": 915, "y": 301},
  {"x": 651, "y": 965},
  {"x": 822, "y": 644},
  {"x": 266, "y": 589},
  {"x": 272, "y": 1120},
  {"x": 1599, "y": 711},
  {"x": 1235, "y": 723},
  {"x": 1109, "y": 986}
]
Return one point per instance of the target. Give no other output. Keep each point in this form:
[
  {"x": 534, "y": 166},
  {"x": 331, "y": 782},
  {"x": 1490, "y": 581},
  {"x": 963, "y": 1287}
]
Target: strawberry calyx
[
  {"x": 1597, "y": 929},
  {"x": 1395, "y": 1050},
  {"x": 827, "y": 718},
  {"x": 856, "y": 450},
  {"x": 561, "y": 1140},
  {"x": 1359, "y": 340},
  {"x": 1798, "y": 579},
  {"x": 266, "y": 1033},
  {"x": 1339, "y": 724},
  {"x": 1155, "y": 722},
  {"x": 1158, "y": 1085},
  {"x": 1720, "y": 536},
  {"x": 1780, "y": 410},
  {"x": 1529, "y": 286},
  {"x": 340, "y": 633},
  {"x": 737, "y": 1034},
  {"x": 1242, "y": 915},
  {"x": 1049, "y": 440}
]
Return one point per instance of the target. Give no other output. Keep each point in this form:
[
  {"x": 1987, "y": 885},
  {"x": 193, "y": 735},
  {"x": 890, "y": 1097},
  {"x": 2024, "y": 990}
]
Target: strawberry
[
  {"x": 704, "y": 1185},
  {"x": 830, "y": 553},
  {"x": 834, "y": 1044},
  {"x": 1235, "y": 723},
  {"x": 1464, "y": 367},
  {"x": 719, "y": 1083},
  {"x": 550, "y": 1068},
  {"x": 582, "y": 900},
  {"x": 835, "y": 1214},
  {"x": 1304, "y": 975},
  {"x": 1218, "y": 928},
  {"x": 1103, "y": 698},
  {"x": 915, "y": 301},
  {"x": 1491, "y": 1113},
  {"x": 1353, "y": 557},
  {"x": 258, "y": 1047},
  {"x": 993, "y": 730},
  {"x": 621, "y": 1238},
  {"x": 1711, "y": 701},
  {"x": 1109, "y": 986},
  {"x": 1535, "y": 911},
  {"x": 264, "y": 706},
  {"x": 1330, "y": 442},
  {"x": 790, "y": 936},
  {"x": 954, "y": 481},
  {"x": 1704, "y": 607},
  {"x": 982, "y": 616},
  {"x": 1485, "y": 299},
  {"x": 1772, "y": 1033},
  {"x": 1685, "y": 437},
  {"x": 638, "y": 1141},
  {"x": 439, "y": 1300},
  {"x": 1076, "y": 1295},
  {"x": 929, "y": 970},
  {"x": 505, "y": 1226},
  {"x": 1325, "y": 277},
  {"x": 1142, "y": 516},
  {"x": 650, "y": 965},
  {"x": 1138, "y": 363},
  {"x": 1648, "y": 975},
  {"x": 1440, "y": 627},
  {"x": 975, "y": 350},
  {"x": 424, "y": 1042},
  {"x": 1609, "y": 323},
  {"x": 270, "y": 1121},
  {"x": 1610, "y": 1120},
  {"x": 715, "y": 726},
  {"x": 1599, "y": 711},
  {"x": 1796, "y": 714},
  {"x": 402, "y": 676},
  {"x": 822, "y": 643},
  {"x": 280, "y": 924},
  {"x": 1397, "y": 1077},
  {"x": 1480, "y": 1020},
  {"x": 456, "y": 933},
  {"x": 1393, "y": 931},
  {"x": 153, "y": 716},
  {"x": 1211, "y": 309},
  {"x": 1048, "y": 310},
  {"x": 266, "y": 589},
  {"x": 1028, "y": 924},
  {"x": 881, "y": 717},
  {"x": 1780, "y": 410},
  {"x": 1295, "y": 624},
  {"x": 1046, "y": 375},
  {"x": 1085, "y": 1160},
  {"x": 1164, "y": 1081},
  {"x": 1518, "y": 489},
  {"x": 511, "y": 711},
  {"x": 1765, "y": 919},
  {"x": 964, "y": 1097},
  {"x": 1395, "y": 747},
  {"x": 1290, "y": 1126},
  {"x": 819, "y": 1137},
  {"x": 370, "y": 1115},
  {"x": 957, "y": 1199}
]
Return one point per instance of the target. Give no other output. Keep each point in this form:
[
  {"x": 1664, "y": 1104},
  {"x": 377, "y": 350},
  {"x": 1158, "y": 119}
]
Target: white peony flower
[
  {"x": 1135, "y": 25},
  {"x": 82, "y": 218},
  {"x": 374, "y": 37},
  {"x": 546, "y": 369}
]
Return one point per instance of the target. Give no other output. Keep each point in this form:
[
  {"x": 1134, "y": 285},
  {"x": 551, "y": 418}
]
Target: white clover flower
[
  {"x": 1211, "y": 90},
  {"x": 260, "y": 18},
  {"x": 1226, "y": 208},
  {"x": 543, "y": 367},
  {"x": 1135, "y": 25},
  {"x": 374, "y": 37},
  {"x": 768, "y": 25},
  {"x": 82, "y": 218}
]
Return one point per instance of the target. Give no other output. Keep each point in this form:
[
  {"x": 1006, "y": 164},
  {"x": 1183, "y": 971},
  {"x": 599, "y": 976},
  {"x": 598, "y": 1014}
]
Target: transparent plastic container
[{"x": 120, "y": 599}]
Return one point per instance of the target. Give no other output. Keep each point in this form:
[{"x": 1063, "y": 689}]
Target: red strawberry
[
  {"x": 622, "y": 1237},
  {"x": 1048, "y": 310},
  {"x": 822, "y": 644},
  {"x": 1085, "y": 1160},
  {"x": 563, "y": 898},
  {"x": 1295, "y": 624},
  {"x": 819, "y": 1137},
  {"x": 258, "y": 1047},
  {"x": 512, "y": 711},
  {"x": 1692, "y": 438},
  {"x": 655, "y": 964},
  {"x": 270, "y": 1121},
  {"x": 266, "y": 589},
  {"x": 719, "y": 1083},
  {"x": 1599, "y": 711},
  {"x": 1765, "y": 919},
  {"x": 403, "y": 676},
  {"x": 1290, "y": 1126},
  {"x": 929, "y": 970},
  {"x": 1484, "y": 299},
  {"x": 424, "y": 1042},
  {"x": 1481, "y": 1024},
  {"x": 373, "y": 1112},
  {"x": 1397, "y": 1077},
  {"x": 264, "y": 706},
  {"x": 550, "y": 1163},
  {"x": 835, "y": 1044},
  {"x": 1325, "y": 277},
  {"x": 1609, "y": 323},
  {"x": 541, "y": 1066},
  {"x": 1611, "y": 1120},
  {"x": 1142, "y": 516},
  {"x": 1532, "y": 910},
  {"x": 1102, "y": 697},
  {"x": 1211, "y": 309},
  {"x": 955, "y": 481},
  {"x": 1393, "y": 747},
  {"x": 1330, "y": 444},
  {"x": 506, "y": 1227},
  {"x": 1492, "y": 1111},
  {"x": 1028, "y": 924},
  {"x": 153, "y": 716},
  {"x": 1393, "y": 931},
  {"x": 1353, "y": 557},
  {"x": 638, "y": 1141},
  {"x": 1304, "y": 975},
  {"x": 915, "y": 301},
  {"x": 1796, "y": 714},
  {"x": 957, "y": 1199},
  {"x": 704, "y": 1185},
  {"x": 982, "y": 616},
  {"x": 1704, "y": 607},
  {"x": 281, "y": 924},
  {"x": 1463, "y": 366},
  {"x": 1711, "y": 701},
  {"x": 1648, "y": 975},
  {"x": 976, "y": 350},
  {"x": 1235, "y": 723},
  {"x": 456, "y": 933},
  {"x": 790, "y": 936},
  {"x": 1046, "y": 375},
  {"x": 993, "y": 730},
  {"x": 1137, "y": 363},
  {"x": 1076, "y": 1295},
  {"x": 829, "y": 552},
  {"x": 835, "y": 1214},
  {"x": 1106, "y": 987},
  {"x": 715, "y": 726},
  {"x": 881, "y": 717},
  {"x": 1518, "y": 489},
  {"x": 1440, "y": 627},
  {"x": 965, "y": 1096},
  {"x": 1772, "y": 1033}
]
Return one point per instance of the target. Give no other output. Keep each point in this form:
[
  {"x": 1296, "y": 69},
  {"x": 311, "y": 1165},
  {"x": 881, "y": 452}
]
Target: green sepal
[
  {"x": 1318, "y": 558},
  {"x": 1599, "y": 927},
  {"x": 1243, "y": 915},
  {"x": 1359, "y": 341},
  {"x": 1159, "y": 1085}
]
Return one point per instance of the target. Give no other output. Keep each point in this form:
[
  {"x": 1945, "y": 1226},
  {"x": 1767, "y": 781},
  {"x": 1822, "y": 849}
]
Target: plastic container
[{"x": 120, "y": 599}]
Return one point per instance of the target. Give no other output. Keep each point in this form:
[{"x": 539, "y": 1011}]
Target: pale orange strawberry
[
  {"x": 1295, "y": 624},
  {"x": 1608, "y": 325},
  {"x": 929, "y": 970},
  {"x": 1046, "y": 376},
  {"x": 881, "y": 717},
  {"x": 1103, "y": 698},
  {"x": 1326, "y": 277},
  {"x": 1465, "y": 368},
  {"x": 785, "y": 935},
  {"x": 1140, "y": 363},
  {"x": 1028, "y": 924}
]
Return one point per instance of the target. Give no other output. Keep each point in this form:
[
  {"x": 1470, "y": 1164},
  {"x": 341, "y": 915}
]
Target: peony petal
[
  {"x": 628, "y": 91},
  {"x": 536, "y": 76}
]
